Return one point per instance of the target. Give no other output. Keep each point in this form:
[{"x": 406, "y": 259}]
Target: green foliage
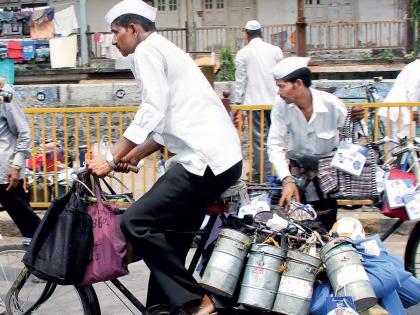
[
  {"x": 415, "y": 10},
  {"x": 367, "y": 55},
  {"x": 388, "y": 55},
  {"x": 227, "y": 68}
]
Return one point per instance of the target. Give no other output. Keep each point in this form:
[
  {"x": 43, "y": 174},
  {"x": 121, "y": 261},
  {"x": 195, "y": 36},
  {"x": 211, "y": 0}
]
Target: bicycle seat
[{"x": 232, "y": 195}]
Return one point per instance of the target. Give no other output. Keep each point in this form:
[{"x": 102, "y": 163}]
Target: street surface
[{"x": 136, "y": 282}]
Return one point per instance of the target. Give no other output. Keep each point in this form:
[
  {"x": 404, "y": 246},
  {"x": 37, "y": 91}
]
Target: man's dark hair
[
  {"x": 126, "y": 19},
  {"x": 302, "y": 73},
  {"x": 253, "y": 34}
]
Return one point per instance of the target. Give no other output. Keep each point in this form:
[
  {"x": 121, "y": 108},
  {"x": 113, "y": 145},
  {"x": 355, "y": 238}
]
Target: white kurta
[
  {"x": 180, "y": 109},
  {"x": 406, "y": 88},
  {"x": 254, "y": 83},
  {"x": 290, "y": 130}
]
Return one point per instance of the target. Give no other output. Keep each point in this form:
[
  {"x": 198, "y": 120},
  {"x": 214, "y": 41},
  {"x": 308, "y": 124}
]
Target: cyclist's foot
[{"x": 206, "y": 307}]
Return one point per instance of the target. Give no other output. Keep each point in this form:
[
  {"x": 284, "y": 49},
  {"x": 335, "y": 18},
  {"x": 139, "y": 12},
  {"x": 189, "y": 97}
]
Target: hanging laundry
[
  {"x": 107, "y": 49},
  {"x": 63, "y": 52},
  {"x": 7, "y": 16},
  {"x": 65, "y": 21},
  {"x": 14, "y": 28},
  {"x": 28, "y": 49},
  {"x": 3, "y": 50},
  {"x": 24, "y": 16},
  {"x": 14, "y": 50},
  {"x": 42, "y": 25},
  {"x": 97, "y": 37},
  {"x": 42, "y": 50}
]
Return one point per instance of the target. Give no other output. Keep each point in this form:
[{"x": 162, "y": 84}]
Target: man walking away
[{"x": 254, "y": 85}]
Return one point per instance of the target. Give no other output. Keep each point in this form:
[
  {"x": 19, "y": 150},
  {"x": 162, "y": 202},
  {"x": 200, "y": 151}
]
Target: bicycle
[
  {"x": 407, "y": 150},
  {"x": 17, "y": 302},
  {"x": 371, "y": 96},
  {"x": 412, "y": 251}
]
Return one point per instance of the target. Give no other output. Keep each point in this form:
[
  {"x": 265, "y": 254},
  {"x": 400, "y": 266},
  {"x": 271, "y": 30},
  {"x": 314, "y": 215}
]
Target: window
[
  {"x": 208, "y": 4},
  {"x": 220, "y": 4},
  {"x": 311, "y": 2},
  {"x": 173, "y": 4},
  {"x": 161, "y": 5}
]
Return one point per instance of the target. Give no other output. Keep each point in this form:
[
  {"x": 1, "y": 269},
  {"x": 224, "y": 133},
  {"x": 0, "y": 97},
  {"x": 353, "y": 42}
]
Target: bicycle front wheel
[
  {"x": 412, "y": 252},
  {"x": 28, "y": 289}
]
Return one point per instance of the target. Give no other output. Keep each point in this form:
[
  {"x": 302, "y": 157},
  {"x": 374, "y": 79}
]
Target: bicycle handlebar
[
  {"x": 385, "y": 140},
  {"x": 406, "y": 149}
]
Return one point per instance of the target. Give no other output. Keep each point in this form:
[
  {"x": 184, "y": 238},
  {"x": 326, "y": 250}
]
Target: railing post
[
  {"x": 187, "y": 37},
  {"x": 191, "y": 26},
  {"x": 84, "y": 50},
  {"x": 409, "y": 28},
  {"x": 301, "y": 29}
]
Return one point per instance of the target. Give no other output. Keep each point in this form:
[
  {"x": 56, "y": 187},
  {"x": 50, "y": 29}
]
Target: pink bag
[{"x": 108, "y": 259}]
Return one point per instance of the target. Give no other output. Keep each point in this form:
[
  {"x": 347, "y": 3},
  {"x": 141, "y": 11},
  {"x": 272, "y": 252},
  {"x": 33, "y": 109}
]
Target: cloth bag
[
  {"x": 62, "y": 244},
  {"x": 338, "y": 184},
  {"x": 399, "y": 213},
  {"x": 108, "y": 260}
]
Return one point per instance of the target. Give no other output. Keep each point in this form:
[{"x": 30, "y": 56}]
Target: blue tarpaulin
[
  {"x": 7, "y": 70},
  {"x": 395, "y": 288}
]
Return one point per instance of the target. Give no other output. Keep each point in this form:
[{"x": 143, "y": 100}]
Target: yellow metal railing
[{"x": 63, "y": 137}]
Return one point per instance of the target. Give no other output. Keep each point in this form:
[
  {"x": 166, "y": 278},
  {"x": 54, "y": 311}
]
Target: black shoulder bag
[{"x": 62, "y": 244}]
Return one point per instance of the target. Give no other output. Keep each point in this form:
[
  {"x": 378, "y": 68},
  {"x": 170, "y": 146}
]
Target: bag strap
[{"x": 347, "y": 131}]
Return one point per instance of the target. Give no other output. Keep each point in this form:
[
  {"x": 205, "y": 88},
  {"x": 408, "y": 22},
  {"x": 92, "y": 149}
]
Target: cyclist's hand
[
  {"x": 2, "y": 82},
  {"x": 122, "y": 167},
  {"x": 13, "y": 178},
  {"x": 358, "y": 113},
  {"x": 290, "y": 191},
  {"x": 98, "y": 167},
  {"x": 129, "y": 159}
]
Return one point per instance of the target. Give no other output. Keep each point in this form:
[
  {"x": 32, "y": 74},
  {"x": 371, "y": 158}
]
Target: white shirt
[
  {"x": 290, "y": 130},
  {"x": 254, "y": 83},
  {"x": 406, "y": 88},
  {"x": 180, "y": 109}
]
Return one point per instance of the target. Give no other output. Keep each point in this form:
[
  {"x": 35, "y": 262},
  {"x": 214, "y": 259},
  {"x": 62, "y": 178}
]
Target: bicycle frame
[{"x": 50, "y": 287}]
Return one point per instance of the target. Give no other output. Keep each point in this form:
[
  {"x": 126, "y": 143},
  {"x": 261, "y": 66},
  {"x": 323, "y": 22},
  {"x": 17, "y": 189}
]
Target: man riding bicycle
[{"x": 179, "y": 110}]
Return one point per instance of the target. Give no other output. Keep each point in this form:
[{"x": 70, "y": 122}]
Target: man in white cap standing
[
  {"x": 179, "y": 110},
  {"x": 306, "y": 121},
  {"x": 406, "y": 89},
  {"x": 254, "y": 85}
]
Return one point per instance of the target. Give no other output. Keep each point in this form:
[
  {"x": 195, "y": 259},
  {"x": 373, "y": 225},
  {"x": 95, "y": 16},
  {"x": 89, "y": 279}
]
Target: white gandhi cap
[
  {"x": 252, "y": 25},
  {"x": 289, "y": 65},
  {"x": 131, "y": 7}
]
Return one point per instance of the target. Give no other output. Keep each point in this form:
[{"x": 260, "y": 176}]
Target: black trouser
[
  {"x": 16, "y": 203},
  {"x": 256, "y": 145},
  {"x": 326, "y": 208},
  {"x": 327, "y": 211},
  {"x": 177, "y": 201}
]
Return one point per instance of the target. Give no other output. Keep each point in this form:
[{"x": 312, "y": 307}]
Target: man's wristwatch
[
  {"x": 110, "y": 159},
  {"x": 288, "y": 180}
]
